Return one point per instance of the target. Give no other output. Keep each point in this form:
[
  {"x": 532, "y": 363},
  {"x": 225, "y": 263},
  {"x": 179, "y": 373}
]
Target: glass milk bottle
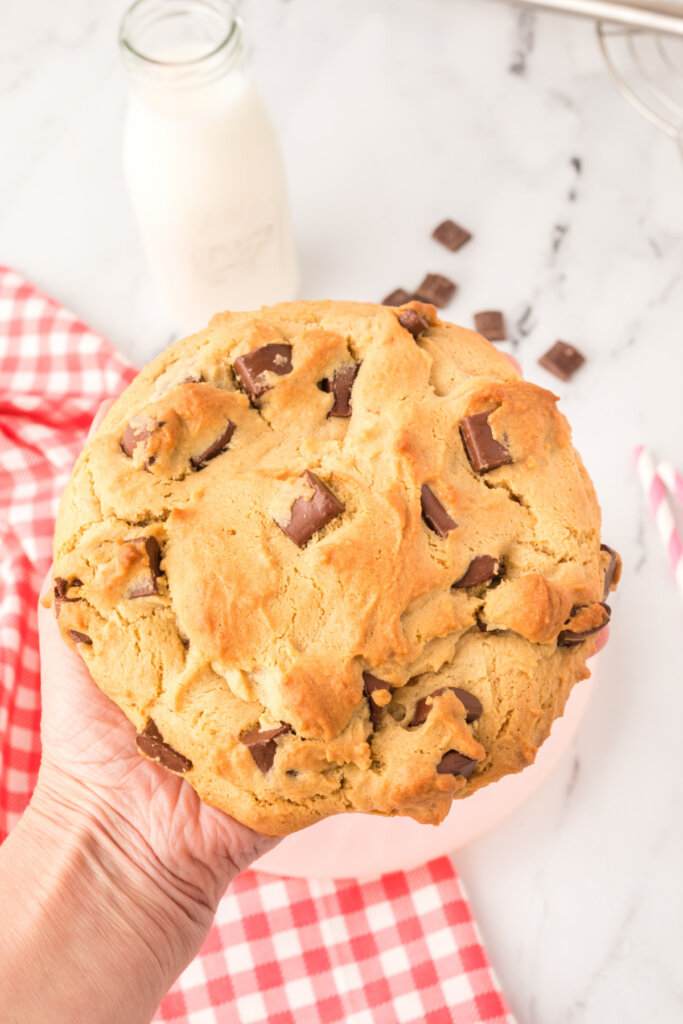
[{"x": 202, "y": 163}]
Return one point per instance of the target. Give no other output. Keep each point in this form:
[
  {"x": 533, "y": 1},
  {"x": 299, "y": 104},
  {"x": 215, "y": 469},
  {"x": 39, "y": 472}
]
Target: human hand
[
  {"x": 150, "y": 830},
  {"x": 90, "y": 756}
]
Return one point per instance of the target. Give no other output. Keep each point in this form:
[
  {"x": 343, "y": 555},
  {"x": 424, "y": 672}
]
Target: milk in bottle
[{"x": 202, "y": 163}]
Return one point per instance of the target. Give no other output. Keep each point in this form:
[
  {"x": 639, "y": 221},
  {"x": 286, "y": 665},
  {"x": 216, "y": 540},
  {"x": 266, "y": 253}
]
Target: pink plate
[{"x": 363, "y": 846}]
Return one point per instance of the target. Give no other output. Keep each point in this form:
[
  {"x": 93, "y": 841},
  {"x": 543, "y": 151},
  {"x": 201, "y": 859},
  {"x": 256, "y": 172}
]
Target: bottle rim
[{"x": 134, "y": 57}]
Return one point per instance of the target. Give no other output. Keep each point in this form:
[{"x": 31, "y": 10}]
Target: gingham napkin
[{"x": 400, "y": 949}]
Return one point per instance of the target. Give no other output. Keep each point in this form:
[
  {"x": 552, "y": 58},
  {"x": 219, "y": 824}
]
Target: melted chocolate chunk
[
  {"x": 563, "y": 360},
  {"x": 340, "y": 385},
  {"x": 61, "y": 586},
  {"x": 434, "y": 514},
  {"x": 370, "y": 684},
  {"x": 262, "y": 745},
  {"x": 79, "y": 638},
  {"x": 132, "y": 436},
  {"x": 150, "y": 743},
  {"x": 252, "y": 367},
  {"x": 436, "y": 289},
  {"x": 568, "y": 638},
  {"x": 453, "y": 763},
  {"x": 218, "y": 446},
  {"x": 147, "y": 585},
  {"x": 483, "y": 451},
  {"x": 413, "y": 322},
  {"x": 481, "y": 569},
  {"x": 398, "y": 297},
  {"x": 611, "y": 570},
  {"x": 308, "y": 517},
  {"x": 471, "y": 703},
  {"x": 451, "y": 235},
  {"x": 491, "y": 324}
]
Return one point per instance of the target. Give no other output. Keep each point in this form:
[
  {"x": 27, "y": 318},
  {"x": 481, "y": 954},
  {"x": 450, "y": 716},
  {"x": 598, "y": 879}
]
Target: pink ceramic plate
[{"x": 360, "y": 845}]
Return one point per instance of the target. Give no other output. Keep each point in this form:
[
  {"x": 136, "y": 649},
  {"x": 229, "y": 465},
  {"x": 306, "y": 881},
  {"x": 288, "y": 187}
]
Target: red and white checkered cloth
[{"x": 401, "y": 948}]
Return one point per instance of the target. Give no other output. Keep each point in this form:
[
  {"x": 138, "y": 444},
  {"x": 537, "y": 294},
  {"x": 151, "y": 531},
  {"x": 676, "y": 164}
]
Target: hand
[
  {"x": 90, "y": 756},
  {"x": 110, "y": 882}
]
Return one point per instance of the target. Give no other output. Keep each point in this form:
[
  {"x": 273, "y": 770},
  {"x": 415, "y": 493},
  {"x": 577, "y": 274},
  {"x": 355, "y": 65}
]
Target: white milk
[{"x": 205, "y": 174}]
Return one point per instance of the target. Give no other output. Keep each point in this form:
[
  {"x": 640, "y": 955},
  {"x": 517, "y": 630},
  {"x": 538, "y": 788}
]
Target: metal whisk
[{"x": 642, "y": 43}]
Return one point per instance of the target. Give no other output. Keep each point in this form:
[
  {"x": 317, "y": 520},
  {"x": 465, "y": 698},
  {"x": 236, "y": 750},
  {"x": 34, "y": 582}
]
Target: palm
[{"x": 90, "y": 742}]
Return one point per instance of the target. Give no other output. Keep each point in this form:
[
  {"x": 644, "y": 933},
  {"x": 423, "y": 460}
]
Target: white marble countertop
[{"x": 393, "y": 116}]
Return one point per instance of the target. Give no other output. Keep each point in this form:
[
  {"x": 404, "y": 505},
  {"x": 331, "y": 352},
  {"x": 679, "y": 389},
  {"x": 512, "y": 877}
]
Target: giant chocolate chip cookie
[{"x": 333, "y": 557}]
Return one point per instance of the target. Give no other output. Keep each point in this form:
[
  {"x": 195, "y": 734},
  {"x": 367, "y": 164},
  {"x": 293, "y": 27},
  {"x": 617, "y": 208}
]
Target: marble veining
[{"x": 393, "y": 116}]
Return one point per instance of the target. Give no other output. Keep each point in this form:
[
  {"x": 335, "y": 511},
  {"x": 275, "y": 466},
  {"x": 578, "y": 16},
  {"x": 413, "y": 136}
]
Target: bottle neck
[{"x": 180, "y": 43}]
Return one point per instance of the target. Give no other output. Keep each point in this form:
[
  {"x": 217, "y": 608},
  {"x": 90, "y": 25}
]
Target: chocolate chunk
[
  {"x": 483, "y": 451},
  {"x": 453, "y": 763},
  {"x": 434, "y": 514},
  {"x": 79, "y": 638},
  {"x": 563, "y": 360},
  {"x": 370, "y": 684},
  {"x": 484, "y": 627},
  {"x": 61, "y": 586},
  {"x": 398, "y": 297},
  {"x": 340, "y": 386},
  {"x": 491, "y": 324},
  {"x": 250, "y": 368},
  {"x": 436, "y": 289},
  {"x": 611, "y": 570},
  {"x": 472, "y": 705},
  {"x": 568, "y": 638},
  {"x": 150, "y": 743},
  {"x": 481, "y": 569},
  {"x": 132, "y": 436},
  {"x": 147, "y": 585},
  {"x": 451, "y": 235},
  {"x": 413, "y": 322},
  {"x": 309, "y": 516},
  {"x": 262, "y": 745},
  {"x": 216, "y": 448}
]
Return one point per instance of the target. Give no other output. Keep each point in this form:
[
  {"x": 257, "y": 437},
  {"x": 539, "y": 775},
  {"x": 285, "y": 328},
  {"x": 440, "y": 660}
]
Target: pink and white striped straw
[
  {"x": 660, "y": 505},
  {"x": 673, "y": 480}
]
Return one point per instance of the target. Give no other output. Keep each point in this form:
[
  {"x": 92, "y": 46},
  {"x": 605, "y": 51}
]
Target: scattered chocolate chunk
[
  {"x": 434, "y": 514},
  {"x": 370, "y": 685},
  {"x": 483, "y": 451},
  {"x": 453, "y": 763},
  {"x": 61, "y": 587},
  {"x": 611, "y": 570},
  {"x": 563, "y": 360},
  {"x": 340, "y": 385},
  {"x": 451, "y": 235},
  {"x": 192, "y": 380},
  {"x": 398, "y": 297},
  {"x": 79, "y": 638},
  {"x": 262, "y": 745},
  {"x": 491, "y": 324},
  {"x": 309, "y": 516},
  {"x": 252, "y": 367},
  {"x": 472, "y": 705},
  {"x": 481, "y": 569},
  {"x": 219, "y": 445},
  {"x": 413, "y": 322},
  {"x": 147, "y": 585},
  {"x": 132, "y": 436},
  {"x": 150, "y": 743},
  {"x": 569, "y": 638},
  {"x": 437, "y": 289}
]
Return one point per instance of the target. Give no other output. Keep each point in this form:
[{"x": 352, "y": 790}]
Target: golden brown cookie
[{"x": 331, "y": 557}]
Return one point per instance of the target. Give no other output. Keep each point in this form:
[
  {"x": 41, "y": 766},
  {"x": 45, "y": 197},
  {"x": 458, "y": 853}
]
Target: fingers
[{"x": 99, "y": 416}]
